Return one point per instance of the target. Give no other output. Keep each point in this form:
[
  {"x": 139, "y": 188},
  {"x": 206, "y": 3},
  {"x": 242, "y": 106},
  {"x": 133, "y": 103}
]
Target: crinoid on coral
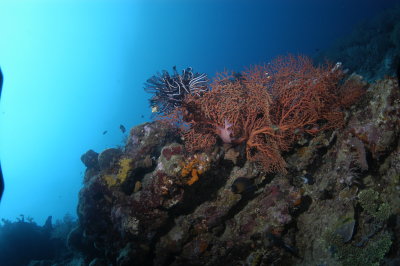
[{"x": 170, "y": 90}]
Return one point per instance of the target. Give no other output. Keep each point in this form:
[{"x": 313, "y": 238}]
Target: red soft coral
[{"x": 267, "y": 107}]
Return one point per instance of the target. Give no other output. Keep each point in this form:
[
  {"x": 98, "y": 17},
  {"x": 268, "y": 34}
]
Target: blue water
[{"x": 74, "y": 69}]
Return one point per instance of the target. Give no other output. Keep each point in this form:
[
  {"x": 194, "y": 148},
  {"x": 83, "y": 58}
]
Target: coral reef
[
  {"x": 354, "y": 194},
  {"x": 23, "y": 242},
  {"x": 373, "y": 48},
  {"x": 267, "y": 108},
  {"x": 169, "y": 196},
  {"x": 165, "y": 206}
]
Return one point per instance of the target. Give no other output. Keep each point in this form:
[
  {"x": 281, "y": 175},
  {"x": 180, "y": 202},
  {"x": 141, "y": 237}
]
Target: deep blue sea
[{"x": 74, "y": 72}]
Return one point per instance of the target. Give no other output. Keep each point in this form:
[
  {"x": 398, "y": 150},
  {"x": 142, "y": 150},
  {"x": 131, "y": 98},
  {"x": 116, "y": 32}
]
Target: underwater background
[{"x": 74, "y": 72}]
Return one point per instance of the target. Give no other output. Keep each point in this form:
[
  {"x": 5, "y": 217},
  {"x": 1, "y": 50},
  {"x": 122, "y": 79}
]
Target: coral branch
[{"x": 266, "y": 107}]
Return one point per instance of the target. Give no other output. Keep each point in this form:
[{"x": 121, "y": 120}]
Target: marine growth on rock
[{"x": 315, "y": 153}]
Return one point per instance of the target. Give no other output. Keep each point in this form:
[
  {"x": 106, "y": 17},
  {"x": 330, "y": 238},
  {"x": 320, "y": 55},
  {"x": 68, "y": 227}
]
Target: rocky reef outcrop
[
  {"x": 372, "y": 49},
  {"x": 153, "y": 203}
]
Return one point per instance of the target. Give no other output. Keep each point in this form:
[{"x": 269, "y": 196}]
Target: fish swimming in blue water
[{"x": 123, "y": 129}]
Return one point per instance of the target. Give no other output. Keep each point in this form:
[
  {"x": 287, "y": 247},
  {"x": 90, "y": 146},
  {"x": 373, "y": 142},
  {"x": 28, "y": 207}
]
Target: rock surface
[{"x": 155, "y": 204}]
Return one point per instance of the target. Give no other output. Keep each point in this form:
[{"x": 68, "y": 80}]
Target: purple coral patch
[{"x": 170, "y": 151}]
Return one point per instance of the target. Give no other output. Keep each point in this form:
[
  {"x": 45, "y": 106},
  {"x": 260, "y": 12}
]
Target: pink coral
[{"x": 225, "y": 133}]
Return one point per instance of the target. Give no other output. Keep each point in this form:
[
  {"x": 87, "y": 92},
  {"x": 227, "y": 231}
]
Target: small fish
[
  {"x": 243, "y": 185},
  {"x": 307, "y": 179},
  {"x": 123, "y": 129},
  {"x": 105, "y": 132},
  {"x": 278, "y": 242}
]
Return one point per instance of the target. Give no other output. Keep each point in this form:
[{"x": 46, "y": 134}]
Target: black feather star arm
[{"x": 170, "y": 90}]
